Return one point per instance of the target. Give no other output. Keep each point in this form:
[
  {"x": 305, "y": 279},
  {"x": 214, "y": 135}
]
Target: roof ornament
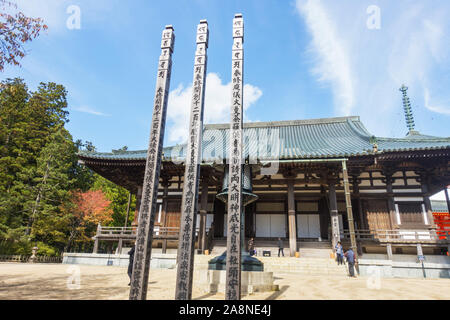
[
  {"x": 374, "y": 142},
  {"x": 408, "y": 110}
]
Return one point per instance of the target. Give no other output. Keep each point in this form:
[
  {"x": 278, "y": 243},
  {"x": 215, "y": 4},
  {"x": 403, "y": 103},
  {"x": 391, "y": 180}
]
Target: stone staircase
[
  {"x": 304, "y": 266},
  {"x": 316, "y": 249},
  {"x": 312, "y": 249},
  {"x": 315, "y": 258}
]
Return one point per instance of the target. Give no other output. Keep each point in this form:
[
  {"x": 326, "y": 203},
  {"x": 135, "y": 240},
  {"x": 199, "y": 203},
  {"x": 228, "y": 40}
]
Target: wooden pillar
[
  {"x": 219, "y": 217},
  {"x": 335, "y": 233},
  {"x": 358, "y": 204},
  {"x": 426, "y": 199},
  {"x": 189, "y": 205},
  {"x": 389, "y": 251},
  {"x": 363, "y": 214},
  {"x": 95, "y": 246},
  {"x": 128, "y": 210},
  {"x": 324, "y": 217},
  {"x": 96, "y": 243},
  {"x": 144, "y": 238},
  {"x": 165, "y": 201},
  {"x": 203, "y": 215},
  {"x": 119, "y": 247},
  {"x": 391, "y": 202},
  {"x": 235, "y": 203},
  {"x": 138, "y": 207},
  {"x": 291, "y": 218},
  {"x": 249, "y": 219}
]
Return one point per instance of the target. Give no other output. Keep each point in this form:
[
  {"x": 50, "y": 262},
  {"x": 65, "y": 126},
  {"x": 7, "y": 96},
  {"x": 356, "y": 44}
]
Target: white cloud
[
  {"x": 331, "y": 65},
  {"x": 365, "y": 67},
  {"x": 86, "y": 109},
  {"x": 53, "y": 12},
  {"x": 435, "y": 108},
  {"x": 217, "y": 105}
]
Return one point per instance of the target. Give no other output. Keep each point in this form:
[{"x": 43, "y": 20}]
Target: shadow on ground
[{"x": 276, "y": 294}]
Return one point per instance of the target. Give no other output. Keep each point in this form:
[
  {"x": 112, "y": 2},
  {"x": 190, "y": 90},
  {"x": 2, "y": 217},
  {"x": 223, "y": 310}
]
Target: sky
[{"x": 304, "y": 59}]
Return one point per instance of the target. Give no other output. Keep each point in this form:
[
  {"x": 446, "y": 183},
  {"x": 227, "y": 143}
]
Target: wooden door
[
  {"x": 378, "y": 215},
  {"x": 173, "y": 214}
]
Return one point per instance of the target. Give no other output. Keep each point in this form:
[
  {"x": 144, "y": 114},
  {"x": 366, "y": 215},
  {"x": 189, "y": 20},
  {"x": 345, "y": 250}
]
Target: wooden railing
[
  {"x": 170, "y": 232},
  {"x": 116, "y": 230},
  {"x": 398, "y": 235},
  {"x": 158, "y": 232}
]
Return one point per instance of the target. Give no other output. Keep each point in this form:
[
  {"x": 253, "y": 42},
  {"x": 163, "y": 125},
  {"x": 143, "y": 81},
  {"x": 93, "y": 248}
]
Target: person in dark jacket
[
  {"x": 130, "y": 264},
  {"x": 280, "y": 247},
  {"x": 350, "y": 255}
]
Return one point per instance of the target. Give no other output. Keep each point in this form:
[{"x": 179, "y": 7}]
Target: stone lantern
[{"x": 33, "y": 255}]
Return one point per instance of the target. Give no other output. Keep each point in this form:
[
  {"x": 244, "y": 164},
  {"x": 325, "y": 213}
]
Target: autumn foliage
[
  {"x": 15, "y": 30},
  {"x": 93, "y": 207}
]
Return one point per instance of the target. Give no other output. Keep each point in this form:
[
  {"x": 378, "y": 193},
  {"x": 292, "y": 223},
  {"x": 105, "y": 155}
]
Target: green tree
[
  {"x": 119, "y": 200},
  {"x": 14, "y": 126},
  {"x": 48, "y": 184},
  {"x": 37, "y": 160}
]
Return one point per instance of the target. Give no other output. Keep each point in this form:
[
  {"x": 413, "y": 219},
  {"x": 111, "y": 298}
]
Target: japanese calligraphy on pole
[
  {"x": 192, "y": 170},
  {"x": 139, "y": 280},
  {"x": 235, "y": 205}
]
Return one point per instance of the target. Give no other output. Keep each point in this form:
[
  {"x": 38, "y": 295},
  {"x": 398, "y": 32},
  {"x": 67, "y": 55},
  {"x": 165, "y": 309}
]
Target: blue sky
[{"x": 303, "y": 59}]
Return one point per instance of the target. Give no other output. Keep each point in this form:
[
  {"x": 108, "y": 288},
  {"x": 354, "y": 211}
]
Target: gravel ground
[{"x": 53, "y": 282}]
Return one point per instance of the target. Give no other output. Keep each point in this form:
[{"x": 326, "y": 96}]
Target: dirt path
[{"x": 50, "y": 281}]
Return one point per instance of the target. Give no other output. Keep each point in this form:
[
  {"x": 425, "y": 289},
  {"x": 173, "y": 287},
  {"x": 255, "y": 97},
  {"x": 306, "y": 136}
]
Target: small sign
[
  {"x": 421, "y": 258},
  {"x": 110, "y": 262}
]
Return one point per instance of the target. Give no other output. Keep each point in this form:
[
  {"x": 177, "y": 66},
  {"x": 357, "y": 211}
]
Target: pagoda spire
[{"x": 407, "y": 109}]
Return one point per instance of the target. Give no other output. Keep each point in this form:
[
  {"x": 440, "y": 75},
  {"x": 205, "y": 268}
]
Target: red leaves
[
  {"x": 14, "y": 31},
  {"x": 92, "y": 206}
]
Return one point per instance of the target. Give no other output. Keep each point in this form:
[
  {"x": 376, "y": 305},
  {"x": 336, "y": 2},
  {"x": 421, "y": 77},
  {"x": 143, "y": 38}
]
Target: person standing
[
  {"x": 339, "y": 253},
  {"x": 350, "y": 255},
  {"x": 280, "y": 247},
  {"x": 251, "y": 247},
  {"x": 131, "y": 261}
]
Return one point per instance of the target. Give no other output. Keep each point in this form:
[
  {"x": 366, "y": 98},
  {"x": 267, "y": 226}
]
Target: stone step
[
  {"x": 314, "y": 245},
  {"x": 301, "y": 266}
]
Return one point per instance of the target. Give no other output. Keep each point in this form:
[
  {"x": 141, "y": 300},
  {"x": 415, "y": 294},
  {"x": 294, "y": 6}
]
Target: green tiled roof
[{"x": 300, "y": 139}]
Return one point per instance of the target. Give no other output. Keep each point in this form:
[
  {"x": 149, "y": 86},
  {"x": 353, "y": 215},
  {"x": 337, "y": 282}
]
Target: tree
[
  {"x": 37, "y": 160},
  {"x": 15, "y": 30},
  {"x": 82, "y": 176},
  {"x": 119, "y": 200},
  {"x": 48, "y": 183},
  {"x": 87, "y": 209}
]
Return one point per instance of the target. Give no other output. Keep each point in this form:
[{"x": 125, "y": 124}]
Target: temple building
[{"x": 298, "y": 182}]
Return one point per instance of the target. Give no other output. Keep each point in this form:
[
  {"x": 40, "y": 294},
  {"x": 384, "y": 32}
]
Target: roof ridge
[
  {"x": 112, "y": 152},
  {"x": 286, "y": 123},
  {"x": 427, "y": 139},
  {"x": 362, "y": 133}
]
